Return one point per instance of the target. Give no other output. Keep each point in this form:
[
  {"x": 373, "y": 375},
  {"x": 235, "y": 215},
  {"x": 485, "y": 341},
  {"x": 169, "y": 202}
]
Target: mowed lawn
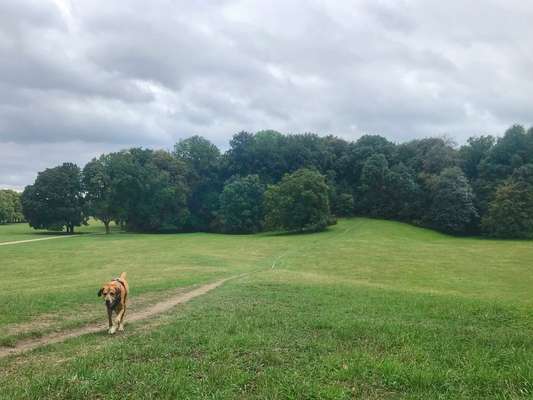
[
  {"x": 21, "y": 231},
  {"x": 368, "y": 309}
]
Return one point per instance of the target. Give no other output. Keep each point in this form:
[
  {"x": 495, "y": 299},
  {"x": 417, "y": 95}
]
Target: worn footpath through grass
[
  {"x": 136, "y": 312},
  {"x": 48, "y": 286}
]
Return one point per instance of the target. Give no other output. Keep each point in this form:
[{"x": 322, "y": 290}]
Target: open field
[
  {"x": 21, "y": 231},
  {"x": 368, "y": 309}
]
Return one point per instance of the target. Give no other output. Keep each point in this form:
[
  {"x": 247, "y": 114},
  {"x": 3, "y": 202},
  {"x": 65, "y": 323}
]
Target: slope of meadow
[{"x": 367, "y": 309}]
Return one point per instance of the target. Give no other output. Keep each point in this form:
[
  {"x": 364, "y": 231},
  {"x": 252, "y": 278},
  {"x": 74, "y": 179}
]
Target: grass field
[
  {"x": 16, "y": 232},
  {"x": 368, "y": 309}
]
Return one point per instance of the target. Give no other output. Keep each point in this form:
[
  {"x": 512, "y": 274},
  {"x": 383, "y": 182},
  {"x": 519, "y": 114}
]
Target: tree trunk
[{"x": 106, "y": 224}]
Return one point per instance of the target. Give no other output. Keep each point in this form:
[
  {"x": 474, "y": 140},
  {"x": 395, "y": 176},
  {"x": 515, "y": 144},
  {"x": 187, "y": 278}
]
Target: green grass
[
  {"x": 21, "y": 231},
  {"x": 368, "y": 309}
]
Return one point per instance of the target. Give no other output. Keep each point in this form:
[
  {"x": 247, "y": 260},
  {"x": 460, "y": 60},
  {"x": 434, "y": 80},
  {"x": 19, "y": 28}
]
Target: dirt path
[
  {"x": 157, "y": 308},
  {"x": 46, "y": 238}
]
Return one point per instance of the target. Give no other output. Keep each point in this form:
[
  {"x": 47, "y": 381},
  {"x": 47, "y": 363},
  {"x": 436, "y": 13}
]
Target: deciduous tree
[
  {"x": 201, "y": 159},
  {"x": 10, "y": 207},
  {"x": 510, "y": 213},
  {"x": 100, "y": 190},
  {"x": 241, "y": 205},
  {"x": 452, "y": 208},
  {"x": 55, "y": 201},
  {"x": 299, "y": 202}
]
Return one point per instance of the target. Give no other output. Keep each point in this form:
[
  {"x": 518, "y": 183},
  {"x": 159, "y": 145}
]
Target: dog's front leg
[
  {"x": 120, "y": 318},
  {"x": 111, "y": 329},
  {"x": 119, "y": 310}
]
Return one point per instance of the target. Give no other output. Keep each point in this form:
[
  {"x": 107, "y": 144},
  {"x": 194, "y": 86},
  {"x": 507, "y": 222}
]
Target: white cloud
[{"x": 79, "y": 77}]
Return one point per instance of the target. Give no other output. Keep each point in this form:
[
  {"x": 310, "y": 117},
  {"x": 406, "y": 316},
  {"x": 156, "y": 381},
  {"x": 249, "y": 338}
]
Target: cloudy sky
[{"x": 82, "y": 77}]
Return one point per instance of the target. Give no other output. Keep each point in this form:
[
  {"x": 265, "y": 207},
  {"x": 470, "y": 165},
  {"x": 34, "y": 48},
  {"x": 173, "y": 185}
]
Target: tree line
[{"x": 269, "y": 181}]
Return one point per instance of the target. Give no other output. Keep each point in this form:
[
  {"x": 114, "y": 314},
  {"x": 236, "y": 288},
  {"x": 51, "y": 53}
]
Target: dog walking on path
[{"x": 115, "y": 293}]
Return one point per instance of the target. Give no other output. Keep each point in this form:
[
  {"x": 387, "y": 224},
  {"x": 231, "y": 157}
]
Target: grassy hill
[{"x": 367, "y": 309}]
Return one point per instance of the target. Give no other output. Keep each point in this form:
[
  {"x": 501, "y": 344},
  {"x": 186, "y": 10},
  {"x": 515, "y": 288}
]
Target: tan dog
[{"x": 115, "y": 294}]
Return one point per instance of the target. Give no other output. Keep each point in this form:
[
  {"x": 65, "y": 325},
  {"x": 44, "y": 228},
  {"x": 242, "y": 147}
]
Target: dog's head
[{"x": 111, "y": 294}]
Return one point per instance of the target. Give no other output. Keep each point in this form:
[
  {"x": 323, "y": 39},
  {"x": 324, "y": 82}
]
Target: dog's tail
[{"x": 123, "y": 275}]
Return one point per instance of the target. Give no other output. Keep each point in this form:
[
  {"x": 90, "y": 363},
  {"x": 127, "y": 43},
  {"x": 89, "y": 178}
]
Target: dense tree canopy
[
  {"x": 511, "y": 211},
  {"x": 428, "y": 182},
  {"x": 452, "y": 207},
  {"x": 373, "y": 197},
  {"x": 55, "y": 201},
  {"x": 10, "y": 207},
  {"x": 299, "y": 202},
  {"x": 343, "y": 204},
  {"x": 473, "y": 153},
  {"x": 100, "y": 189},
  {"x": 152, "y": 190},
  {"x": 241, "y": 205},
  {"x": 201, "y": 160},
  {"x": 403, "y": 194}
]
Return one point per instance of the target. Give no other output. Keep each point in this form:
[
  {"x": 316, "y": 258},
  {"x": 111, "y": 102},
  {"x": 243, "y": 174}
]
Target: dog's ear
[{"x": 100, "y": 292}]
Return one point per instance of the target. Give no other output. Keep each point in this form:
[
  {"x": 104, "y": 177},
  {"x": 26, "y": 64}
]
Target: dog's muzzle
[{"x": 113, "y": 304}]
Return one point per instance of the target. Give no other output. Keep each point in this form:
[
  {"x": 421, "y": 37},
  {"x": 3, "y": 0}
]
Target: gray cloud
[{"x": 78, "y": 78}]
